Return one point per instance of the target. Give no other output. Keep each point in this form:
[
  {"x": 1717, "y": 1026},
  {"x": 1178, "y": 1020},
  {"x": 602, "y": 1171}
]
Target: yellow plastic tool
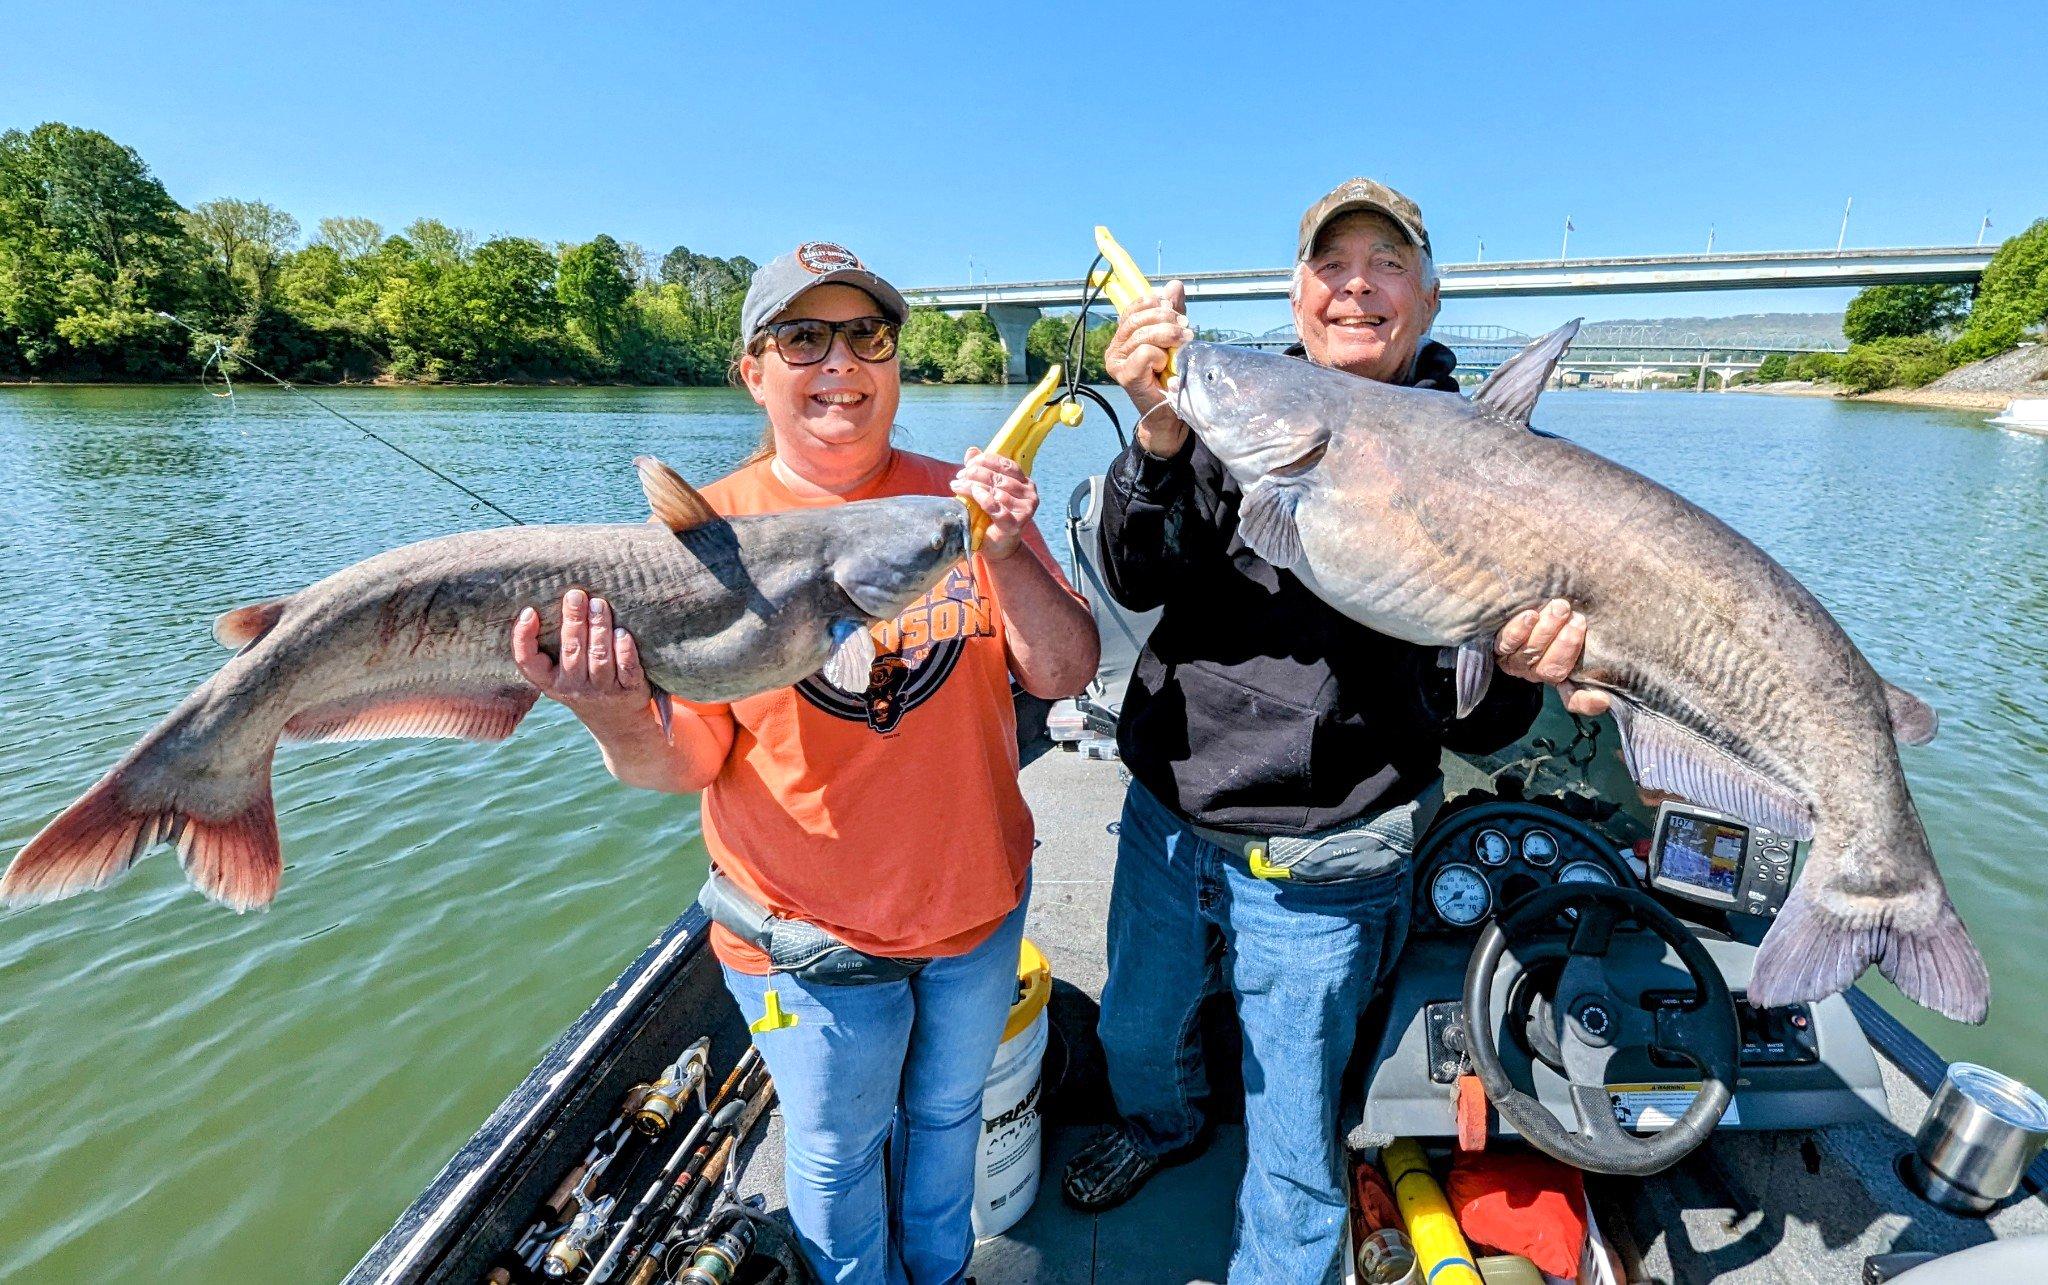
[
  {"x": 1440, "y": 1248},
  {"x": 1125, "y": 279},
  {"x": 1023, "y": 433},
  {"x": 774, "y": 1019}
]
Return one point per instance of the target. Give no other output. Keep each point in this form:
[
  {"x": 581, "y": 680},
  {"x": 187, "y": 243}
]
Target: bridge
[{"x": 1014, "y": 305}]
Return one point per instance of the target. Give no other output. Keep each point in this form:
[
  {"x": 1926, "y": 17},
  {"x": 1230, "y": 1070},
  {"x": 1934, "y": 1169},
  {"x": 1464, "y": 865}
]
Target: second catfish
[{"x": 1435, "y": 518}]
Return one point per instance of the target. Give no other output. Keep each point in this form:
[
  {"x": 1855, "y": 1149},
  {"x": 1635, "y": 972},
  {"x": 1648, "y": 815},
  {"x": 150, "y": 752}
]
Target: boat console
[{"x": 1607, "y": 987}]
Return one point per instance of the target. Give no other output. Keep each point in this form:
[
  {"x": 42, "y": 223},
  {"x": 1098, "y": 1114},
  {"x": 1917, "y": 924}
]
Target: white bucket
[{"x": 1007, "y": 1169}]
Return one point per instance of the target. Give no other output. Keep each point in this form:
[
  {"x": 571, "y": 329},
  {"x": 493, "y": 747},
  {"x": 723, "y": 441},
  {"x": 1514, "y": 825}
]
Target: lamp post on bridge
[{"x": 1563, "y": 250}]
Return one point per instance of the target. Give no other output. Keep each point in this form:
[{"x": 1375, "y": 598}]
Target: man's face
[{"x": 1362, "y": 305}]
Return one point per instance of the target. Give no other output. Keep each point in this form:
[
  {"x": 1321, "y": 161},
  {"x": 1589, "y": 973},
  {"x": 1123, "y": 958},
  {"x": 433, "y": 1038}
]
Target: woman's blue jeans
[
  {"x": 894, "y": 1068},
  {"x": 1185, "y": 919}
]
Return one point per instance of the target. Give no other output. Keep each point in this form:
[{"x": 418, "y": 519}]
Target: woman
[{"x": 891, "y": 820}]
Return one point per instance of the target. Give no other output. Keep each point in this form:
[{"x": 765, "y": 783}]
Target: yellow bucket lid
[{"x": 1034, "y": 988}]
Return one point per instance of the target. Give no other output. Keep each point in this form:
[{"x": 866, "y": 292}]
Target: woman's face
[{"x": 838, "y": 402}]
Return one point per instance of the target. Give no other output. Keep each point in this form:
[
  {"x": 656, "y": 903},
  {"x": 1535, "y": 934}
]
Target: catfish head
[
  {"x": 888, "y": 553},
  {"x": 1262, "y": 414}
]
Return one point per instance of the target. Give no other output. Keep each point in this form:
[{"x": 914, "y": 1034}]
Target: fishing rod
[
  {"x": 219, "y": 354},
  {"x": 679, "y": 1208},
  {"x": 719, "y": 1115}
]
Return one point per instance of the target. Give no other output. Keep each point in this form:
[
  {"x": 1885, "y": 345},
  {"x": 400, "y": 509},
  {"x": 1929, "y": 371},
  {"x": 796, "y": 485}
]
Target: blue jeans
[
  {"x": 1302, "y": 960},
  {"x": 895, "y": 1063}
]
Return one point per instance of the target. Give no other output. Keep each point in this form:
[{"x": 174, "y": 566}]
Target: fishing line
[{"x": 288, "y": 386}]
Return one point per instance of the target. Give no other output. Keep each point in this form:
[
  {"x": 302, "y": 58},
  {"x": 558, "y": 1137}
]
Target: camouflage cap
[{"x": 1361, "y": 194}]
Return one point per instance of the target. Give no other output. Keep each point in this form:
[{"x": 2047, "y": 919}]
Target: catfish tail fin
[{"x": 1812, "y": 952}]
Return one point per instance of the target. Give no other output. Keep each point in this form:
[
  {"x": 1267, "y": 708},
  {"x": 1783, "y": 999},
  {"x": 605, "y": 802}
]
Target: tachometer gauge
[
  {"x": 1460, "y": 895},
  {"x": 1492, "y": 847},
  {"x": 1585, "y": 872},
  {"x": 1539, "y": 847}
]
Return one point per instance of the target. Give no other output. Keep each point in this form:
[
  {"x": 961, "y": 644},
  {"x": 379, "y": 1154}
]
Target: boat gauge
[
  {"x": 1539, "y": 848},
  {"x": 1460, "y": 895},
  {"x": 1492, "y": 847},
  {"x": 1585, "y": 872}
]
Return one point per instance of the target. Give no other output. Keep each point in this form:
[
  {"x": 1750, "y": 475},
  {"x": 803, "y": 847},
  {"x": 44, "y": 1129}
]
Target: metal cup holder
[{"x": 1982, "y": 1130}]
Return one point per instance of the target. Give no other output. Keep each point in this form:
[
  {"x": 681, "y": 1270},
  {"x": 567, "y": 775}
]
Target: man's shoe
[{"x": 1107, "y": 1172}]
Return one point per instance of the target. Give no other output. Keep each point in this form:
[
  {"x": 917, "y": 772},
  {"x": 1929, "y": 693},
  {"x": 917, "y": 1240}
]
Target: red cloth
[{"x": 1521, "y": 1203}]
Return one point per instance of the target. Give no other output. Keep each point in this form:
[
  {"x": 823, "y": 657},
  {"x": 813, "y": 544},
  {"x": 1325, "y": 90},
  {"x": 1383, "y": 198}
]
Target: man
[{"x": 1283, "y": 758}]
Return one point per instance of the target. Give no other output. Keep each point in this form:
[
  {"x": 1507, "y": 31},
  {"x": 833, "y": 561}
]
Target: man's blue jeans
[
  {"x": 1185, "y": 918},
  {"x": 896, "y": 1063}
]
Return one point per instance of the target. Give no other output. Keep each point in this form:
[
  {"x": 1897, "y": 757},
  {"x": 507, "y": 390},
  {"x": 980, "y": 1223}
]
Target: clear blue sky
[{"x": 923, "y": 136}]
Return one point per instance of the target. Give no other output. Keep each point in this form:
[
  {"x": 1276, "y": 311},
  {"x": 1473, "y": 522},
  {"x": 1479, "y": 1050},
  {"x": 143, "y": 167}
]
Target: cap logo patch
[{"x": 820, "y": 257}]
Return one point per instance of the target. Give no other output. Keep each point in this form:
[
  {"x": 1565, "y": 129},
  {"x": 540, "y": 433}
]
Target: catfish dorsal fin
[
  {"x": 244, "y": 625},
  {"x": 1510, "y": 392},
  {"x": 676, "y": 504}
]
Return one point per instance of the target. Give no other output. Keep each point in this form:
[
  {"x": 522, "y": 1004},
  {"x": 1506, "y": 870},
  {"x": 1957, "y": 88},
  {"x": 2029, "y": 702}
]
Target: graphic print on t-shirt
[{"x": 914, "y": 654}]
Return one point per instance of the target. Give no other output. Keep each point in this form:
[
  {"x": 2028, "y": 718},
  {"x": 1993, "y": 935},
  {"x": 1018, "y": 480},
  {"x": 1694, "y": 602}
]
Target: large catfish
[
  {"x": 416, "y": 642},
  {"x": 1434, "y": 519}
]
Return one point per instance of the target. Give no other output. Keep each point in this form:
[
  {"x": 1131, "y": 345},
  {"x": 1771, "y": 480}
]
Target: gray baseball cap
[
  {"x": 1361, "y": 194},
  {"x": 777, "y": 284}
]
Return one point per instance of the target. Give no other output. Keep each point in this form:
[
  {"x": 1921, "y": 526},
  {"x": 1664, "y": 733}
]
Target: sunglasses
[{"x": 805, "y": 341}]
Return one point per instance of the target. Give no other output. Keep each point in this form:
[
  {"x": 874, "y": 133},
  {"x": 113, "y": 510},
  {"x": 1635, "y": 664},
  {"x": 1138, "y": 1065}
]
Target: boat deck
[{"x": 1748, "y": 1207}]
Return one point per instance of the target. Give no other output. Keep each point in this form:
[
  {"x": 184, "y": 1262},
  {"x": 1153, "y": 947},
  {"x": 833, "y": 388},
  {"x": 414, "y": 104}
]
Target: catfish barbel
[
  {"x": 416, "y": 642},
  {"x": 1435, "y": 519}
]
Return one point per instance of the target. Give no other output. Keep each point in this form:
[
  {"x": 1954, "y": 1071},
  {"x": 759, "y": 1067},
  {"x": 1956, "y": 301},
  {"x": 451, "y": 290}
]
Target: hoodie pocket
[{"x": 1248, "y": 749}]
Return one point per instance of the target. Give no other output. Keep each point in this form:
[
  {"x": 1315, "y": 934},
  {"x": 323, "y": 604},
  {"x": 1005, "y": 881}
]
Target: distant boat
[{"x": 2026, "y": 415}]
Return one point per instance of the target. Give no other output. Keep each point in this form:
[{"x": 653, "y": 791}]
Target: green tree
[
  {"x": 1773, "y": 368},
  {"x": 1891, "y": 362},
  {"x": 2011, "y": 299},
  {"x": 351, "y": 238},
  {"x": 90, "y": 247},
  {"x": 1819, "y": 366},
  {"x": 246, "y": 243},
  {"x": 594, "y": 286},
  {"x": 980, "y": 359},
  {"x": 928, "y": 343},
  {"x": 1888, "y": 312}
]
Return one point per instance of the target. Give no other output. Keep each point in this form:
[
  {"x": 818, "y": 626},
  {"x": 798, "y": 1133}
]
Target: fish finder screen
[{"x": 1702, "y": 854}]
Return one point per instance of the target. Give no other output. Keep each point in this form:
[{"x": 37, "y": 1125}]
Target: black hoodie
[{"x": 1255, "y": 706}]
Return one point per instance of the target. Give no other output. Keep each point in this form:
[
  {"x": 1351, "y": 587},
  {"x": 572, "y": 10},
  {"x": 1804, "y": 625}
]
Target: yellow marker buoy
[{"x": 1440, "y": 1248}]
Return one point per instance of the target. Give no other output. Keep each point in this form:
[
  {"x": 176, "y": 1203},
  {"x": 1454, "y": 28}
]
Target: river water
[{"x": 189, "y": 1095}]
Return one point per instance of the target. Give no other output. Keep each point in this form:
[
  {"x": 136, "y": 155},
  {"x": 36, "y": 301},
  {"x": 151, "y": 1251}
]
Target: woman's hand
[
  {"x": 596, "y": 672},
  {"x": 1005, "y": 493},
  {"x": 1545, "y": 647},
  {"x": 1136, "y": 360}
]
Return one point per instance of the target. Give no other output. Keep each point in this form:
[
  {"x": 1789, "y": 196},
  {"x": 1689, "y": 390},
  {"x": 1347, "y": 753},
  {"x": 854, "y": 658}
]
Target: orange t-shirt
[{"x": 891, "y": 819}]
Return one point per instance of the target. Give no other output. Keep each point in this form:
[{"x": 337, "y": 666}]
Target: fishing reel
[
  {"x": 653, "y": 1107},
  {"x": 572, "y": 1247},
  {"x": 716, "y": 1261}
]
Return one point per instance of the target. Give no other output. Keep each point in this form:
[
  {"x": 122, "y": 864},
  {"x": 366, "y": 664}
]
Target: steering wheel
[{"x": 1591, "y": 1021}]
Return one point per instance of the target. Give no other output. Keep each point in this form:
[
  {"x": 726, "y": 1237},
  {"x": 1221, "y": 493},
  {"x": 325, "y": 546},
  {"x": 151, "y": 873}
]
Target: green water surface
[{"x": 189, "y": 1095}]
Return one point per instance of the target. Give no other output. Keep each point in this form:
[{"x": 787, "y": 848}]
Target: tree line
[
  {"x": 93, "y": 250},
  {"x": 1908, "y": 336}
]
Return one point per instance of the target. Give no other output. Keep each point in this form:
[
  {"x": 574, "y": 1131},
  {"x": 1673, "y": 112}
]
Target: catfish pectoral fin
[
  {"x": 851, "y": 665},
  {"x": 1666, "y": 756},
  {"x": 1475, "y": 673},
  {"x": 1265, "y": 519}
]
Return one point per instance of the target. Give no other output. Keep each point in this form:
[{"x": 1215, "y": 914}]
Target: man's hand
[
  {"x": 1544, "y": 647},
  {"x": 597, "y": 675},
  {"x": 1005, "y": 493},
  {"x": 1136, "y": 360}
]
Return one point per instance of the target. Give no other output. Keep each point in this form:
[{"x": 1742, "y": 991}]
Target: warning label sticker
[{"x": 1658, "y": 1106}]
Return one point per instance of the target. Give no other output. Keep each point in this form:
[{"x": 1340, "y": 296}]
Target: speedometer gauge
[
  {"x": 1492, "y": 847},
  {"x": 1585, "y": 872},
  {"x": 1539, "y": 847},
  {"x": 1460, "y": 895}
]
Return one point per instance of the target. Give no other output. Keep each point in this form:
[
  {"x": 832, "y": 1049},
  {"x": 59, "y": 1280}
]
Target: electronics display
[{"x": 1718, "y": 860}]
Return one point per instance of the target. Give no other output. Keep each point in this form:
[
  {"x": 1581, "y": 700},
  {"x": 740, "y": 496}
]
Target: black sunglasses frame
[{"x": 890, "y": 332}]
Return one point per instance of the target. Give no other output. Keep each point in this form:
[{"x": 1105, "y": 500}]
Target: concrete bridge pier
[{"x": 1013, "y": 323}]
